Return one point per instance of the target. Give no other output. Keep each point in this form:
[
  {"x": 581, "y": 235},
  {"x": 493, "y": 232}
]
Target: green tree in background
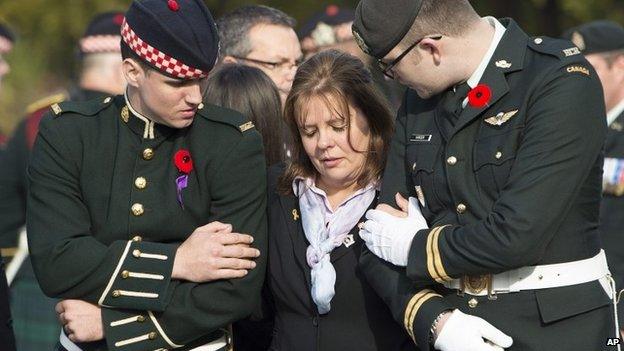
[{"x": 44, "y": 59}]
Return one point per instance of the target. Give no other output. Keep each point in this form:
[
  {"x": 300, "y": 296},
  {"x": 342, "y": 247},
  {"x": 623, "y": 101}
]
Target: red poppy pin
[
  {"x": 173, "y": 5},
  {"x": 183, "y": 161},
  {"x": 479, "y": 96}
]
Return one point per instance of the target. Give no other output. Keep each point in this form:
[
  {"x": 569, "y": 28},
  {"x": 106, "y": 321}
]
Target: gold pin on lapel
[
  {"x": 501, "y": 118},
  {"x": 503, "y": 64},
  {"x": 295, "y": 215}
]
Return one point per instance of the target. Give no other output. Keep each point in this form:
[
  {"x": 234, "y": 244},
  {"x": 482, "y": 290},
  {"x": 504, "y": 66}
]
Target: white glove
[
  {"x": 463, "y": 332},
  {"x": 390, "y": 237}
]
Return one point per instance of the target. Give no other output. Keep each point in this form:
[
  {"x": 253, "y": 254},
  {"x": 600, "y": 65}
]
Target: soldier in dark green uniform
[
  {"x": 602, "y": 43},
  {"x": 143, "y": 208},
  {"x": 34, "y": 319},
  {"x": 498, "y": 144}
]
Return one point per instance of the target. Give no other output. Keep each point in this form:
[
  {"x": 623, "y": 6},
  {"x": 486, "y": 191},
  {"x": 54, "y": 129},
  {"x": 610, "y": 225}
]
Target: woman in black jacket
[{"x": 341, "y": 129}]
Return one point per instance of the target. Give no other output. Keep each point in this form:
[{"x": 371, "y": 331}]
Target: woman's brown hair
[
  {"x": 251, "y": 92},
  {"x": 337, "y": 77}
]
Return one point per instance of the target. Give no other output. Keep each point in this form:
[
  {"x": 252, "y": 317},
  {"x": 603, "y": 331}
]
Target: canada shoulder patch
[{"x": 578, "y": 69}]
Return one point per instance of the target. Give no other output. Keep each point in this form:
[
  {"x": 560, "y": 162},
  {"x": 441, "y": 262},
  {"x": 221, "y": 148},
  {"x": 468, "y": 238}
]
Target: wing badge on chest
[{"x": 500, "y": 118}]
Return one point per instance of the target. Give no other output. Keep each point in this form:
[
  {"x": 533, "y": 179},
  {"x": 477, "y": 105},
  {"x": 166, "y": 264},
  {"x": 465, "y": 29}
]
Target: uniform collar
[
  {"x": 615, "y": 112},
  {"x": 507, "y": 58},
  {"x": 499, "y": 31},
  {"x": 141, "y": 124}
]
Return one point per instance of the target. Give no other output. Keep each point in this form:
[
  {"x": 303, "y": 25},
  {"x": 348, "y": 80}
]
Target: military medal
[{"x": 183, "y": 161}]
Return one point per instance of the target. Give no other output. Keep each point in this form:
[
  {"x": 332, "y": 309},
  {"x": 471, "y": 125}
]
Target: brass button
[
  {"x": 200, "y": 106},
  {"x": 498, "y": 155},
  {"x": 148, "y": 154},
  {"x": 461, "y": 208},
  {"x": 451, "y": 160},
  {"x": 136, "y": 253},
  {"x": 140, "y": 183},
  {"x": 125, "y": 274},
  {"x": 137, "y": 209},
  {"x": 116, "y": 293},
  {"x": 137, "y": 239},
  {"x": 107, "y": 100},
  {"x": 152, "y": 335},
  {"x": 472, "y": 303},
  {"x": 141, "y": 319}
]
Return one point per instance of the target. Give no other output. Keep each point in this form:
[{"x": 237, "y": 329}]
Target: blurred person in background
[
  {"x": 262, "y": 37},
  {"x": 7, "y": 339},
  {"x": 331, "y": 29},
  {"x": 34, "y": 319},
  {"x": 251, "y": 92},
  {"x": 602, "y": 43},
  {"x": 7, "y": 38}
]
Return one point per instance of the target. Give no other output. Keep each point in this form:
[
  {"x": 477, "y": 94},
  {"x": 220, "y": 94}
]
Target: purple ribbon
[{"x": 181, "y": 183}]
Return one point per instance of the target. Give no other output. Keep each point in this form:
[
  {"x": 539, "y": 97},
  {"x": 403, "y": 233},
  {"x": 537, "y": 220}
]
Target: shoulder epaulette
[
  {"x": 45, "y": 102},
  {"x": 85, "y": 108},
  {"x": 226, "y": 116},
  {"x": 555, "y": 47}
]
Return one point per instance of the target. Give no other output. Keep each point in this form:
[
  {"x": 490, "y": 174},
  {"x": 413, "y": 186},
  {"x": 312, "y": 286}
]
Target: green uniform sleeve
[
  {"x": 238, "y": 191},
  {"x": 413, "y": 306},
  {"x": 561, "y": 145},
  {"x": 68, "y": 261},
  {"x": 395, "y": 179}
]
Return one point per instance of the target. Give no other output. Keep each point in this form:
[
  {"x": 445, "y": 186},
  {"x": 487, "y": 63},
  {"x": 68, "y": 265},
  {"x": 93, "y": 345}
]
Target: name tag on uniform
[{"x": 420, "y": 138}]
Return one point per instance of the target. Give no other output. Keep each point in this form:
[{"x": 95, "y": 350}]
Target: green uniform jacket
[
  {"x": 104, "y": 221},
  {"x": 515, "y": 183}
]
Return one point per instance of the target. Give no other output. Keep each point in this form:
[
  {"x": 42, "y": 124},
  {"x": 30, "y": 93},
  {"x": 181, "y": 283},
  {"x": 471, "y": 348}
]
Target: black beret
[
  {"x": 332, "y": 16},
  {"x": 381, "y": 24},
  {"x": 597, "y": 37},
  {"x": 7, "y": 38},
  {"x": 176, "y": 37},
  {"x": 102, "y": 34}
]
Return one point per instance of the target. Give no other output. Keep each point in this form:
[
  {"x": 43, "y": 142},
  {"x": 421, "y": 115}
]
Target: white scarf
[{"x": 324, "y": 238}]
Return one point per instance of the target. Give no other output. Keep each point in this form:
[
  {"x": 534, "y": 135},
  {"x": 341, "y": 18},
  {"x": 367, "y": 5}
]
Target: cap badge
[
  {"x": 578, "y": 40},
  {"x": 361, "y": 43},
  {"x": 118, "y": 19},
  {"x": 173, "y": 5}
]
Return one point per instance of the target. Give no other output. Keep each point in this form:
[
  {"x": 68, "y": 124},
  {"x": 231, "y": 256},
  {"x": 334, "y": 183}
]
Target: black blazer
[{"x": 358, "y": 320}]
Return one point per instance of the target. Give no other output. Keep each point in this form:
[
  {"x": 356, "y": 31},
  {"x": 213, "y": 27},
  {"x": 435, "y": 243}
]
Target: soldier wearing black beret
[
  {"x": 146, "y": 211},
  {"x": 602, "y": 43},
  {"x": 498, "y": 148}
]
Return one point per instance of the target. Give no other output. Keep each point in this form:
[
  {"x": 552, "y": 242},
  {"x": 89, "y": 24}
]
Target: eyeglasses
[
  {"x": 386, "y": 68},
  {"x": 282, "y": 65}
]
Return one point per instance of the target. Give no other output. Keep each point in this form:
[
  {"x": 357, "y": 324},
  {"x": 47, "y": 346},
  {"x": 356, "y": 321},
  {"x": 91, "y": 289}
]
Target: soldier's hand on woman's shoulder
[{"x": 214, "y": 252}]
